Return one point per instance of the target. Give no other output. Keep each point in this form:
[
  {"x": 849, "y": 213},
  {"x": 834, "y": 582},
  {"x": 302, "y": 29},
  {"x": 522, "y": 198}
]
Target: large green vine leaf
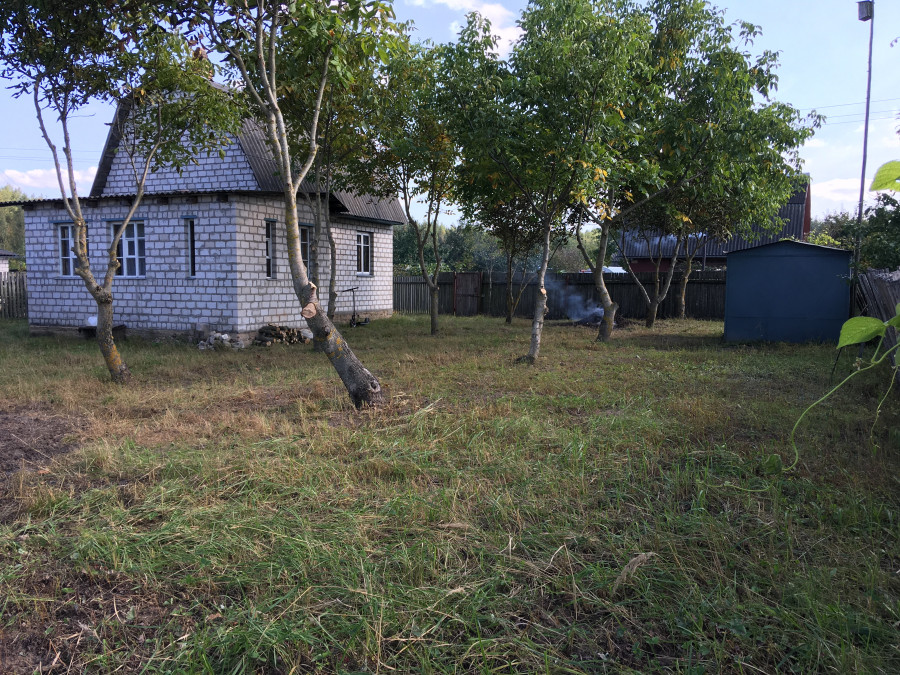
[
  {"x": 887, "y": 177},
  {"x": 860, "y": 329}
]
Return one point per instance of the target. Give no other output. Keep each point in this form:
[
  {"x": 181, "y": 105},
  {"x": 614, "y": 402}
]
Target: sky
[{"x": 823, "y": 50}]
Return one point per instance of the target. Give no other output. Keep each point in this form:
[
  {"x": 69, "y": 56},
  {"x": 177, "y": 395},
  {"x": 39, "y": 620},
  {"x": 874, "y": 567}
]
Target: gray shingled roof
[
  {"x": 8, "y": 254},
  {"x": 793, "y": 213}
]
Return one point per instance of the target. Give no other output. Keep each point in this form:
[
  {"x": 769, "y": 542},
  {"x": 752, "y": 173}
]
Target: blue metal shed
[{"x": 787, "y": 291}]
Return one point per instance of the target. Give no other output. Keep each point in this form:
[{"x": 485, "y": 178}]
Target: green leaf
[
  {"x": 772, "y": 465},
  {"x": 860, "y": 329},
  {"x": 887, "y": 177},
  {"x": 895, "y": 322}
]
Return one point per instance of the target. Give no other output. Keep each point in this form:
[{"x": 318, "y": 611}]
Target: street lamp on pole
[{"x": 866, "y": 12}]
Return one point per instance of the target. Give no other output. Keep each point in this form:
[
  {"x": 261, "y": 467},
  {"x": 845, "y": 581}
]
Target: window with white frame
[
  {"x": 364, "y": 253},
  {"x": 68, "y": 263},
  {"x": 270, "y": 249},
  {"x": 131, "y": 250},
  {"x": 190, "y": 236}
]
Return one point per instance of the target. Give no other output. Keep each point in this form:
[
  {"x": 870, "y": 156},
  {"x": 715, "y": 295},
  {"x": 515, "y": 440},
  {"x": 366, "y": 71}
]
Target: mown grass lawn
[{"x": 614, "y": 508}]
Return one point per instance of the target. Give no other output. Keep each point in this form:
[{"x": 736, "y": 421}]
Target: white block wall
[
  {"x": 230, "y": 292},
  {"x": 167, "y": 298},
  {"x": 209, "y": 173},
  {"x": 262, "y": 300}
]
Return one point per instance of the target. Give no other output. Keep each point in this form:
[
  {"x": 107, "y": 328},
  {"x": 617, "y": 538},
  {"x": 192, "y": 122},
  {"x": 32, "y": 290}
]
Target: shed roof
[
  {"x": 804, "y": 246},
  {"x": 8, "y": 254},
  {"x": 794, "y": 213}
]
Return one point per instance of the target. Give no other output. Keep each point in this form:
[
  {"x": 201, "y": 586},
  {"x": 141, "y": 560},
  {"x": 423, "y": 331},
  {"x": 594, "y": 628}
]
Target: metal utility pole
[{"x": 866, "y": 12}]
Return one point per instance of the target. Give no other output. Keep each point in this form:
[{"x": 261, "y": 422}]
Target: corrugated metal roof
[
  {"x": 262, "y": 161},
  {"x": 793, "y": 213}
]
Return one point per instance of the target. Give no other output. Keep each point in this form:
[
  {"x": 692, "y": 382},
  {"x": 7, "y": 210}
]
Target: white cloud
[
  {"x": 814, "y": 143},
  {"x": 503, "y": 20},
  {"x": 44, "y": 180},
  {"x": 837, "y": 190}
]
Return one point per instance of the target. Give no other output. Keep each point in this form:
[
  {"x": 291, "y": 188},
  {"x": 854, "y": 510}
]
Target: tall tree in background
[
  {"x": 12, "y": 221},
  {"x": 66, "y": 54},
  {"x": 538, "y": 126},
  {"x": 416, "y": 155},
  {"x": 520, "y": 234},
  {"x": 709, "y": 131},
  {"x": 274, "y": 46}
]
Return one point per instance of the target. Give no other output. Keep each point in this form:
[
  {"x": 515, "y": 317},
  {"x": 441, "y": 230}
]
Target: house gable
[{"x": 209, "y": 172}]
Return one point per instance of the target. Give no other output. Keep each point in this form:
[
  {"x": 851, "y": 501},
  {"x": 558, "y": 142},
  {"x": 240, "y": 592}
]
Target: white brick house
[{"x": 206, "y": 247}]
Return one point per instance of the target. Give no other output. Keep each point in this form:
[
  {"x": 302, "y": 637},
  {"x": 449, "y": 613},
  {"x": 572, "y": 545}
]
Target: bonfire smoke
[{"x": 576, "y": 306}]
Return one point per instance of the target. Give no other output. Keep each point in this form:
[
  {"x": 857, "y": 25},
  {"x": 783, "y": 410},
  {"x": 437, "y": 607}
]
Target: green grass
[{"x": 231, "y": 513}]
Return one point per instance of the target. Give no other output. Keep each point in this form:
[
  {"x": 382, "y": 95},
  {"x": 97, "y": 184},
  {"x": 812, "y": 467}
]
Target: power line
[
  {"x": 859, "y": 121},
  {"x": 874, "y": 112},
  {"x": 847, "y": 105}
]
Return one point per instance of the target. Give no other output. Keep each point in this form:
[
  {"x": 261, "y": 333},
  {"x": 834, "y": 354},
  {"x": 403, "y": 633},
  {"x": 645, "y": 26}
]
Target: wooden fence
[
  {"x": 13, "y": 298},
  {"x": 881, "y": 292},
  {"x": 705, "y": 298}
]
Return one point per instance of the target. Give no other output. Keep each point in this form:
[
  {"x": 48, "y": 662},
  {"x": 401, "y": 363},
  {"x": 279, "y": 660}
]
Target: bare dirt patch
[{"x": 30, "y": 436}]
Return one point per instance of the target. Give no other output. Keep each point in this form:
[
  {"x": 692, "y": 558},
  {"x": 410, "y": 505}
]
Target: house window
[
  {"x": 130, "y": 251},
  {"x": 189, "y": 225},
  {"x": 68, "y": 263},
  {"x": 270, "y": 249},
  {"x": 364, "y": 253},
  {"x": 305, "y": 234}
]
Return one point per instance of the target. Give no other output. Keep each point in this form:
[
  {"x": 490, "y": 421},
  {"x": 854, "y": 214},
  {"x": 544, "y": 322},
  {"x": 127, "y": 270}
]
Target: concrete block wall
[
  {"x": 166, "y": 298},
  {"x": 209, "y": 173},
  {"x": 262, "y": 300},
  {"x": 375, "y": 297},
  {"x": 230, "y": 292}
]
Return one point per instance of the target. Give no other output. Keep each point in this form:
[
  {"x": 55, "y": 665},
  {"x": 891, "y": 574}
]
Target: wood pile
[{"x": 271, "y": 334}]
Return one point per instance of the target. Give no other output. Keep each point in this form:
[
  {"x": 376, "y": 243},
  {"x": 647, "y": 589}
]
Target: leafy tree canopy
[{"x": 12, "y": 221}]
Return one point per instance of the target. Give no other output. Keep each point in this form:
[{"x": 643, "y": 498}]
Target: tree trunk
[
  {"x": 609, "y": 307},
  {"x": 609, "y": 322},
  {"x": 510, "y": 302},
  {"x": 332, "y": 278},
  {"x": 118, "y": 369},
  {"x": 682, "y": 290},
  {"x": 540, "y": 303},
  {"x": 434, "y": 292},
  {"x": 363, "y": 387},
  {"x": 651, "y": 313}
]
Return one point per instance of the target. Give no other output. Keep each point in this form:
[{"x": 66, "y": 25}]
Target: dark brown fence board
[
  {"x": 881, "y": 290},
  {"x": 705, "y": 298}
]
